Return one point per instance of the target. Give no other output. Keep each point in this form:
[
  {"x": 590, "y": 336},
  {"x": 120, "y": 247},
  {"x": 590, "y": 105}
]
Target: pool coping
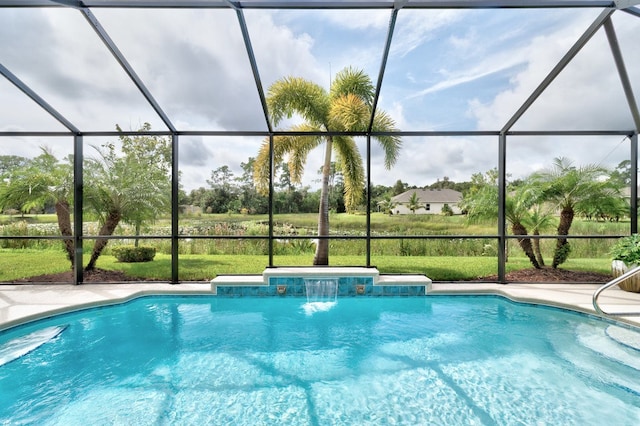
[{"x": 23, "y": 303}]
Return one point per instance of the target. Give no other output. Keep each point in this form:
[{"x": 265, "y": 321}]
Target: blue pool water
[{"x": 363, "y": 361}]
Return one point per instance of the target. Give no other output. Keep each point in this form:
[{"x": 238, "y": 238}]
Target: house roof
[{"x": 429, "y": 196}]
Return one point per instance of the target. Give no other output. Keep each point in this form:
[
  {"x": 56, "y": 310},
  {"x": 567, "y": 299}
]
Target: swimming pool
[{"x": 434, "y": 360}]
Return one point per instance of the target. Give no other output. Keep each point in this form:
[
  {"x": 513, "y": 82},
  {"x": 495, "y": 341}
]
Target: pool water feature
[
  {"x": 322, "y": 294},
  {"x": 290, "y": 282},
  {"x": 366, "y": 361}
]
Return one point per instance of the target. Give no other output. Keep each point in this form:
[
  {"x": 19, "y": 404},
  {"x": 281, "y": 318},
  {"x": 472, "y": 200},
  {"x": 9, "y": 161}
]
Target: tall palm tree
[
  {"x": 568, "y": 187},
  {"x": 347, "y": 107}
]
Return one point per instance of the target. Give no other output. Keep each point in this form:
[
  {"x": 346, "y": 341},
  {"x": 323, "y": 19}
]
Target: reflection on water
[{"x": 21, "y": 346}]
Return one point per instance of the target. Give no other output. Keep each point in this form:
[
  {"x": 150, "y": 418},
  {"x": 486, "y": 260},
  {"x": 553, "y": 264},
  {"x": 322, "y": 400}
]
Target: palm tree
[
  {"x": 134, "y": 187},
  {"x": 539, "y": 219},
  {"x": 608, "y": 206},
  {"x": 414, "y": 203},
  {"x": 347, "y": 107},
  {"x": 568, "y": 187},
  {"x": 387, "y": 205},
  {"x": 41, "y": 181},
  {"x": 517, "y": 212},
  {"x": 481, "y": 203}
]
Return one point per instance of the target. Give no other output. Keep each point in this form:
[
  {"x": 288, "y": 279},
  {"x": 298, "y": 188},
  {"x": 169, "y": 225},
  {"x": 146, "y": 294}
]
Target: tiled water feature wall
[{"x": 290, "y": 282}]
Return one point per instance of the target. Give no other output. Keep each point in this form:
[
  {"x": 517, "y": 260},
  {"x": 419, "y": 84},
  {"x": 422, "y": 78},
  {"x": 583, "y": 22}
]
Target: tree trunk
[
  {"x": 563, "y": 248},
  {"x": 322, "y": 247},
  {"x": 136, "y": 241},
  {"x": 64, "y": 225},
  {"x": 525, "y": 243},
  {"x": 109, "y": 226},
  {"x": 536, "y": 248}
]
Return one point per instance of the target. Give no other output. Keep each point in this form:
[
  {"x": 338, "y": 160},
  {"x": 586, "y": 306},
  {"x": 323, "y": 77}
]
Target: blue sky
[{"x": 447, "y": 70}]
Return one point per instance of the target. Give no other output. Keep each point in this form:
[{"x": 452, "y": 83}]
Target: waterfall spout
[{"x": 322, "y": 294}]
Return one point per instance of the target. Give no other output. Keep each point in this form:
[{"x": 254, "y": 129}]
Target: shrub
[
  {"x": 130, "y": 254},
  {"x": 627, "y": 249}
]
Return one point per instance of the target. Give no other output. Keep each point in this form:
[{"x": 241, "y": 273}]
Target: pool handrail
[{"x": 610, "y": 284}]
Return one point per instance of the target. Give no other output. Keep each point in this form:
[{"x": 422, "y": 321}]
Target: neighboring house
[
  {"x": 430, "y": 201},
  {"x": 626, "y": 193}
]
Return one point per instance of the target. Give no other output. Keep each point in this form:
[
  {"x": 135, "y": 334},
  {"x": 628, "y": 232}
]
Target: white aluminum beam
[{"x": 71, "y": 3}]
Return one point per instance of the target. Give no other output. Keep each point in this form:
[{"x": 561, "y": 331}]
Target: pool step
[
  {"x": 593, "y": 352},
  {"x": 620, "y": 348},
  {"x": 624, "y": 336}
]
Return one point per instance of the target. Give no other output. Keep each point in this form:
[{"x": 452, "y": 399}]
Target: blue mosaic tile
[
  {"x": 377, "y": 291},
  {"x": 346, "y": 288}
]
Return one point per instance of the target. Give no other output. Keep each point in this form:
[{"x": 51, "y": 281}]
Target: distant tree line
[{"x": 228, "y": 193}]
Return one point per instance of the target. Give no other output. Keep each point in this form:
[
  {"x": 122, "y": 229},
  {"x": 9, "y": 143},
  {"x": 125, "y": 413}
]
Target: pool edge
[{"x": 21, "y": 304}]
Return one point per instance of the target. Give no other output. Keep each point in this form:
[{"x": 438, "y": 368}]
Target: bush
[
  {"x": 130, "y": 254},
  {"x": 627, "y": 249}
]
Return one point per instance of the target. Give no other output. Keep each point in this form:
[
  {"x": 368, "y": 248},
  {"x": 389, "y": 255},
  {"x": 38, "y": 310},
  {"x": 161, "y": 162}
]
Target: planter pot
[{"x": 618, "y": 267}]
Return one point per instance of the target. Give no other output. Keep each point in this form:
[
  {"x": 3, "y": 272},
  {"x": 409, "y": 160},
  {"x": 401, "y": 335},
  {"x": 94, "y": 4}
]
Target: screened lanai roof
[
  {"x": 452, "y": 74},
  {"x": 205, "y": 66}
]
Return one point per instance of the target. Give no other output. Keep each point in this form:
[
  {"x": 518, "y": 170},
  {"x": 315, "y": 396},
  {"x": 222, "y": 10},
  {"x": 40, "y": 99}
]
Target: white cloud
[
  {"x": 195, "y": 64},
  {"x": 280, "y": 51},
  {"x": 57, "y": 55},
  {"x": 397, "y": 112},
  {"x": 415, "y": 27},
  {"x": 357, "y": 19},
  {"x": 453, "y": 79},
  {"x": 586, "y": 95},
  {"x": 423, "y": 160},
  {"x": 529, "y": 154}
]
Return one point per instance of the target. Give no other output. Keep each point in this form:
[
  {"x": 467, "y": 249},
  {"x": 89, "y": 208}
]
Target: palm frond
[
  {"x": 298, "y": 152},
  {"x": 352, "y": 81},
  {"x": 350, "y": 162},
  {"x": 567, "y": 185},
  {"x": 296, "y": 95},
  {"x": 261, "y": 168},
  {"x": 296, "y": 146},
  {"x": 349, "y": 113},
  {"x": 391, "y": 145}
]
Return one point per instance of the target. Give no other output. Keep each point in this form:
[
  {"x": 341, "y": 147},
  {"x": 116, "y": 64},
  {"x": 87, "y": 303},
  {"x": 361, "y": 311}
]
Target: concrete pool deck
[{"x": 23, "y": 303}]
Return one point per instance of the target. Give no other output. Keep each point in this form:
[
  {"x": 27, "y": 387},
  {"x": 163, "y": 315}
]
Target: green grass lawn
[
  {"x": 17, "y": 264},
  {"x": 441, "y": 259}
]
